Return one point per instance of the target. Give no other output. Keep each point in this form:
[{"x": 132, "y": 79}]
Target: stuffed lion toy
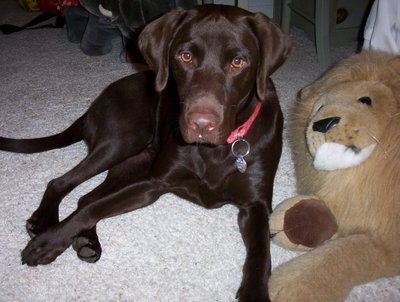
[{"x": 345, "y": 135}]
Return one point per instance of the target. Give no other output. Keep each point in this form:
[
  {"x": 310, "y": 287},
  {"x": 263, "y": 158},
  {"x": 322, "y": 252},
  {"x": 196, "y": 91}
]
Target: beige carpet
[{"x": 172, "y": 251}]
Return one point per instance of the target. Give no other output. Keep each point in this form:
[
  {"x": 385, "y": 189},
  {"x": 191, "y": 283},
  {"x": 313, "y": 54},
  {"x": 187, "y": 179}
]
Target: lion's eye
[
  {"x": 186, "y": 57},
  {"x": 365, "y": 100},
  {"x": 238, "y": 62}
]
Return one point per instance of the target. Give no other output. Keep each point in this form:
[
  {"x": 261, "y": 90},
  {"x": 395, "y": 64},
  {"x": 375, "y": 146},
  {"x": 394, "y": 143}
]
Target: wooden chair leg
[
  {"x": 323, "y": 21},
  {"x": 242, "y": 4},
  {"x": 286, "y": 15}
]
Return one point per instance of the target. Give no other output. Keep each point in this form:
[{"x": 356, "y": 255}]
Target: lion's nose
[{"x": 326, "y": 124}]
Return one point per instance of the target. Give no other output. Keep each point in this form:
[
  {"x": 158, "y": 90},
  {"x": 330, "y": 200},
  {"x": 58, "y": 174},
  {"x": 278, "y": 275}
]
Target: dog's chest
[
  {"x": 207, "y": 181},
  {"x": 212, "y": 164}
]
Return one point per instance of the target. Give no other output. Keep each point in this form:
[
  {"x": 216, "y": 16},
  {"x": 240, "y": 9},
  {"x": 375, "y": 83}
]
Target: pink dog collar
[{"x": 241, "y": 131}]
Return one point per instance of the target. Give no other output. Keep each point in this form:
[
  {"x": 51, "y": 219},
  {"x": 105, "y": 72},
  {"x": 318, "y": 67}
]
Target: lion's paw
[{"x": 302, "y": 222}]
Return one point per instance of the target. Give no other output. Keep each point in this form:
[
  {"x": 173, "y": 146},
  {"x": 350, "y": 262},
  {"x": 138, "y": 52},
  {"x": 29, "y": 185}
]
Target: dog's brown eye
[
  {"x": 186, "y": 57},
  {"x": 238, "y": 62}
]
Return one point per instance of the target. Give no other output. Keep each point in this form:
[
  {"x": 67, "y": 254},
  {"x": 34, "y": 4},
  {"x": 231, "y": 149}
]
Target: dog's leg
[
  {"x": 47, "y": 246},
  {"x": 96, "y": 162},
  {"x": 253, "y": 224},
  {"x": 131, "y": 170}
]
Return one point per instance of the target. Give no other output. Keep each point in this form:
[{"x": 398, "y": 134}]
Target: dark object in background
[
  {"x": 109, "y": 19},
  {"x": 95, "y": 30},
  {"x": 49, "y": 8}
]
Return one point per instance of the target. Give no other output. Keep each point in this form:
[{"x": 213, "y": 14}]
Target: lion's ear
[
  {"x": 322, "y": 83},
  {"x": 313, "y": 89},
  {"x": 328, "y": 79},
  {"x": 306, "y": 92},
  {"x": 394, "y": 64}
]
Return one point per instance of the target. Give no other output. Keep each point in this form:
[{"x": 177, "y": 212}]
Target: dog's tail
[{"x": 69, "y": 136}]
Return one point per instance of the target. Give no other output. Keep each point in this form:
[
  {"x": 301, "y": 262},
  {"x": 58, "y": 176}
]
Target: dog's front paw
[
  {"x": 249, "y": 293},
  {"x": 44, "y": 248}
]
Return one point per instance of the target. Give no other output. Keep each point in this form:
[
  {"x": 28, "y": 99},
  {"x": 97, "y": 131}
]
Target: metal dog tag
[
  {"x": 240, "y": 148},
  {"x": 241, "y": 164}
]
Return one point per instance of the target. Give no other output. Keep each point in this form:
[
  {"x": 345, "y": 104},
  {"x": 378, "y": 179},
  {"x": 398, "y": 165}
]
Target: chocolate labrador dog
[{"x": 205, "y": 124}]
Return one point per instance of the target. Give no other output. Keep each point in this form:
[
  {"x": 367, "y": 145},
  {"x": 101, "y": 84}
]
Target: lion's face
[{"x": 346, "y": 123}]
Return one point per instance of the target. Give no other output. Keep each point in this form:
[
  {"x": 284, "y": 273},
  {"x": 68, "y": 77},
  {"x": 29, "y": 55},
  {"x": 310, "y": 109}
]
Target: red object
[
  {"x": 242, "y": 130},
  {"x": 55, "y": 6}
]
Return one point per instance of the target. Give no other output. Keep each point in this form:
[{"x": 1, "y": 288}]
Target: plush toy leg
[
  {"x": 329, "y": 272},
  {"x": 302, "y": 222},
  {"x": 98, "y": 36},
  {"x": 76, "y": 18}
]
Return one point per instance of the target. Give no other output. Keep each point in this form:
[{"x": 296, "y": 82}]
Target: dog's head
[{"x": 220, "y": 58}]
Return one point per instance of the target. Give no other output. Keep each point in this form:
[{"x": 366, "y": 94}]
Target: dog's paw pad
[
  {"x": 31, "y": 229},
  {"x": 80, "y": 242},
  {"x": 88, "y": 255},
  {"x": 86, "y": 249}
]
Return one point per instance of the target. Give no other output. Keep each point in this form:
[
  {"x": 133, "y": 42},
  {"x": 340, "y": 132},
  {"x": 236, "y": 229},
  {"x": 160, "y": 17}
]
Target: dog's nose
[
  {"x": 202, "y": 122},
  {"x": 326, "y": 124}
]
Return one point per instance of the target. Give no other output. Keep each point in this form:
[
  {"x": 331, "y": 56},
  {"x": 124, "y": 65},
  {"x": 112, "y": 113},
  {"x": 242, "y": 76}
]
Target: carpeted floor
[{"x": 172, "y": 251}]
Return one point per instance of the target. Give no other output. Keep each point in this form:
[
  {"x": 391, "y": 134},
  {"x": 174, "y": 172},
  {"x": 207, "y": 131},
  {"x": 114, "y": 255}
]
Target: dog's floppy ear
[
  {"x": 275, "y": 46},
  {"x": 155, "y": 41}
]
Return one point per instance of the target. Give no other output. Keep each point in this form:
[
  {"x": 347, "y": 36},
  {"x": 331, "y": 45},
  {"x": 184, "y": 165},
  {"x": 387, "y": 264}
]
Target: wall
[{"x": 264, "y": 6}]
